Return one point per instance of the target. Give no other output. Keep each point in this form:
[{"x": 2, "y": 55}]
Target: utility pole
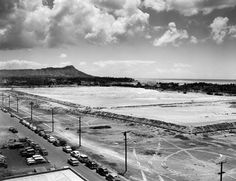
[
  {"x": 9, "y": 101},
  {"x": 125, "y": 134},
  {"x": 31, "y": 110},
  {"x": 2, "y": 99},
  {"x": 80, "y": 132},
  {"x": 52, "y": 121},
  {"x": 221, "y": 171},
  {"x": 17, "y": 99}
]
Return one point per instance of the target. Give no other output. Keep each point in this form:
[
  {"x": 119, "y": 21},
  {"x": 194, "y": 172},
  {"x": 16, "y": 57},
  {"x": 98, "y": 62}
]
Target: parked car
[
  {"x": 36, "y": 159},
  {"x": 23, "y": 139},
  {"x": 51, "y": 139},
  {"x": 38, "y": 130},
  {"x": 36, "y": 146},
  {"x": 112, "y": 176},
  {"x": 13, "y": 130},
  {"x": 3, "y": 162},
  {"x": 27, "y": 124},
  {"x": 39, "y": 159},
  {"x": 27, "y": 152},
  {"x": 73, "y": 161},
  {"x": 83, "y": 158},
  {"x": 67, "y": 149},
  {"x": 57, "y": 143},
  {"x": 46, "y": 136},
  {"x": 30, "y": 161},
  {"x": 33, "y": 128},
  {"x": 91, "y": 164},
  {"x": 12, "y": 115},
  {"x": 43, "y": 151},
  {"x": 102, "y": 171},
  {"x": 42, "y": 133},
  {"x": 15, "y": 145},
  {"x": 75, "y": 154}
]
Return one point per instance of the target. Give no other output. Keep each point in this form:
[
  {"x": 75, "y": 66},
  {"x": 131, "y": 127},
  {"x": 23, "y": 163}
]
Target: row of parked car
[{"x": 76, "y": 156}]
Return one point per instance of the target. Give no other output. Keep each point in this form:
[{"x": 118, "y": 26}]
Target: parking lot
[{"x": 58, "y": 156}]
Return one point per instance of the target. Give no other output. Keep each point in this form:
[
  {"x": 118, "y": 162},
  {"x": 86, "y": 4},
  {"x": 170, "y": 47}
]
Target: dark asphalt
[{"x": 56, "y": 156}]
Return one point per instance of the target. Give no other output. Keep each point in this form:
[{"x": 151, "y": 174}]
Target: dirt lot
[{"x": 153, "y": 153}]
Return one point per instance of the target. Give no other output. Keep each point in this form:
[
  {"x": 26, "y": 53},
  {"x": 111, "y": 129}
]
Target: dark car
[
  {"x": 13, "y": 130},
  {"x": 3, "y": 164},
  {"x": 46, "y": 136},
  {"x": 42, "y": 133},
  {"x": 43, "y": 151},
  {"x": 102, "y": 171},
  {"x": 27, "y": 152},
  {"x": 73, "y": 161},
  {"x": 16, "y": 145},
  {"x": 38, "y": 130},
  {"x": 57, "y": 143},
  {"x": 91, "y": 164},
  {"x": 36, "y": 146}
]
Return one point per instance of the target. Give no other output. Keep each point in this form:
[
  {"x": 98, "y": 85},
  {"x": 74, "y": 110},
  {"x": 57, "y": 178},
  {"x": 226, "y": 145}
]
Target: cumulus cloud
[
  {"x": 20, "y": 64},
  {"x": 123, "y": 62},
  {"x": 25, "y": 24},
  {"x": 189, "y": 7},
  {"x": 171, "y": 36},
  {"x": 193, "y": 40},
  {"x": 220, "y": 29}
]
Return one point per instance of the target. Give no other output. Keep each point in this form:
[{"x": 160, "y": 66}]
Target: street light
[{"x": 31, "y": 110}]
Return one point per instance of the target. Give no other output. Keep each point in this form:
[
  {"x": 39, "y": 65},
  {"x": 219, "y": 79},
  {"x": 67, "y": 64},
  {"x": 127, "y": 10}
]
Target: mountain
[{"x": 68, "y": 71}]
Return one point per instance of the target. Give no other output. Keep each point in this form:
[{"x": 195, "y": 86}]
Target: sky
[{"x": 190, "y": 39}]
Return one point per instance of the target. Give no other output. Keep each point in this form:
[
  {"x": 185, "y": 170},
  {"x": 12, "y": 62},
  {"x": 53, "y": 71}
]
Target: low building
[{"x": 65, "y": 174}]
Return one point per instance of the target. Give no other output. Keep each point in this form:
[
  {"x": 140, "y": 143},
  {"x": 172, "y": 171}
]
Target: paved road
[{"x": 56, "y": 156}]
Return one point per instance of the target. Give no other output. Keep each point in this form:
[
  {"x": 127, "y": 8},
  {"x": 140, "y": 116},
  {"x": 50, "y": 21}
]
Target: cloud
[
  {"x": 181, "y": 65},
  {"x": 220, "y": 29},
  {"x": 27, "y": 23},
  {"x": 20, "y": 64},
  {"x": 123, "y": 62},
  {"x": 193, "y": 40},
  {"x": 171, "y": 36},
  {"x": 63, "y": 55},
  {"x": 189, "y": 7}
]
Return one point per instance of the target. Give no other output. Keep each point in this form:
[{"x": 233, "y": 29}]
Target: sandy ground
[
  {"x": 153, "y": 153},
  {"x": 186, "y": 109}
]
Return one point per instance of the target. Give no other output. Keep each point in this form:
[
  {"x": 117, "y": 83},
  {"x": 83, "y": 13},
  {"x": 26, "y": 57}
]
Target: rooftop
[{"x": 56, "y": 175}]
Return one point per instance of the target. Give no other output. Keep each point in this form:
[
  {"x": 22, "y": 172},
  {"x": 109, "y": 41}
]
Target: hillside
[{"x": 68, "y": 71}]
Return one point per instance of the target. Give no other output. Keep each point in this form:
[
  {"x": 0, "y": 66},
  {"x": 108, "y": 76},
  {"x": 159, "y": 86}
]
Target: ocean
[{"x": 182, "y": 81}]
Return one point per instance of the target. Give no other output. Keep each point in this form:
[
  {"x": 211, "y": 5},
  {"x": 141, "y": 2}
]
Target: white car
[
  {"x": 75, "y": 154},
  {"x": 67, "y": 149},
  {"x": 51, "y": 139},
  {"x": 30, "y": 161}
]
